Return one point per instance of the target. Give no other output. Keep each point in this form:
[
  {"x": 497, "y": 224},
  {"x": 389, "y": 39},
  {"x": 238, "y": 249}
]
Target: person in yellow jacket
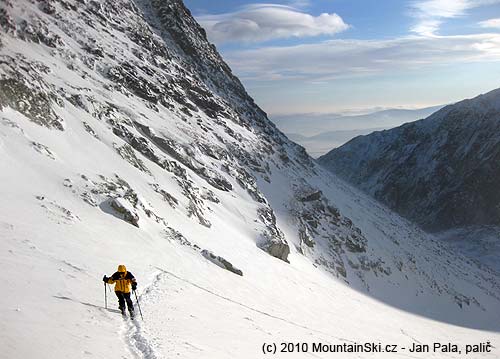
[{"x": 123, "y": 280}]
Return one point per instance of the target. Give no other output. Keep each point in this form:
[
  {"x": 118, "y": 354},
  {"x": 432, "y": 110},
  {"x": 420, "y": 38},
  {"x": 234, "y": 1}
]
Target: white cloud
[
  {"x": 443, "y": 8},
  {"x": 491, "y": 23},
  {"x": 350, "y": 58},
  {"x": 262, "y": 22},
  {"x": 430, "y": 14},
  {"x": 427, "y": 27}
]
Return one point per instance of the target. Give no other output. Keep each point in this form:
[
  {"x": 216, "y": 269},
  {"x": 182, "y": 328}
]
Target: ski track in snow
[
  {"x": 135, "y": 337},
  {"x": 137, "y": 341},
  {"x": 132, "y": 332}
]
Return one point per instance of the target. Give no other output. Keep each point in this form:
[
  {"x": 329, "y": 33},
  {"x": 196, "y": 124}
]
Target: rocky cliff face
[{"x": 439, "y": 172}]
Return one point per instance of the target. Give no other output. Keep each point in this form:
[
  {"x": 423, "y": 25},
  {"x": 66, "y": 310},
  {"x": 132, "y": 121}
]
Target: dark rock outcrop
[
  {"x": 221, "y": 262},
  {"x": 35, "y": 105},
  {"x": 274, "y": 241},
  {"x": 129, "y": 215}
]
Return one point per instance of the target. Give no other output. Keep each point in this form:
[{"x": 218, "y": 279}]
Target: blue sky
[{"x": 302, "y": 56}]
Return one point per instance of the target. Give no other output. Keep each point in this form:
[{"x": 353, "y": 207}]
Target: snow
[
  {"x": 478, "y": 242},
  {"x": 191, "y": 307},
  {"x": 59, "y": 238}
]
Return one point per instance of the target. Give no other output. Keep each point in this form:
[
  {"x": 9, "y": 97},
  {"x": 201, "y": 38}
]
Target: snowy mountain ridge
[
  {"x": 439, "y": 172},
  {"x": 425, "y": 169},
  {"x": 124, "y": 138}
]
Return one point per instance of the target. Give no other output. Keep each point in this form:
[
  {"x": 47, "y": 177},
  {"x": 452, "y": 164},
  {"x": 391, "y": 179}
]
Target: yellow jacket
[{"x": 122, "y": 280}]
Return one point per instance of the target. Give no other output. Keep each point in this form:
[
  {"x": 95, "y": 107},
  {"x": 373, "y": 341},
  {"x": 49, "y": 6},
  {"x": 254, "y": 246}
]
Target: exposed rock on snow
[
  {"x": 315, "y": 196},
  {"x": 42, "y": 149},
  {"x": 177, "y": 236},
  {"x": 167, "y": 197},
  {"x": 37, "y": 106},
  {"x": 320, "y": 224},
  {"x": 128, "y": 154},
  {"x": 90, "y": 130},
  {"x": 56, "y": 212},
  {"x": 305, "y": 236},
  {"x": 273, "y": 240},
  {"x": 123, "y": 208},
  {"x": 221, "y": 262}
]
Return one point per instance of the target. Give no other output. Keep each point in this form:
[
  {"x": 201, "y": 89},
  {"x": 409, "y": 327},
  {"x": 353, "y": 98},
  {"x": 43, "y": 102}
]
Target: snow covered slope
[{"x": 124, "y": 138}]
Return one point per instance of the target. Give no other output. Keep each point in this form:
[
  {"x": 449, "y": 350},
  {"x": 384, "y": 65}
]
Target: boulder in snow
[
  {"x": 221, "y": 262},
  {"x": 277, "y": 247},
  {"x": 274, "y": 241},
  {"x": 126, "y": 210}
]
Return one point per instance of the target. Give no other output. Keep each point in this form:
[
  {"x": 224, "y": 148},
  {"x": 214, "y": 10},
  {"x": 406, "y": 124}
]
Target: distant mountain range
[
  {"x": 319, "y": 133},
  {"x": 320, "y": 144}
]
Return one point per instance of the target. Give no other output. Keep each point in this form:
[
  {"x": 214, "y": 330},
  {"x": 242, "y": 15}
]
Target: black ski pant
[{"x": 124, "y": 297}]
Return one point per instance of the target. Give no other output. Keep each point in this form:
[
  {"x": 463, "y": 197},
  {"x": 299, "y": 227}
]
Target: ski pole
[
  {"x": 105, "y": 297},
  {"x": 138, "y": 305}
]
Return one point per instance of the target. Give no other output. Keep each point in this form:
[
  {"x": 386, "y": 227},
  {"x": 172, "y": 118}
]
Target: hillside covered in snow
[
  {"x": 125, "y": 138},
  {"x": 439, "y": 172}
]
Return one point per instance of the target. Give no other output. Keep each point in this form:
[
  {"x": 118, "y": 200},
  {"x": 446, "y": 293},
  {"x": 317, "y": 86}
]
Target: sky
[{"x": 338, "y": 56}]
